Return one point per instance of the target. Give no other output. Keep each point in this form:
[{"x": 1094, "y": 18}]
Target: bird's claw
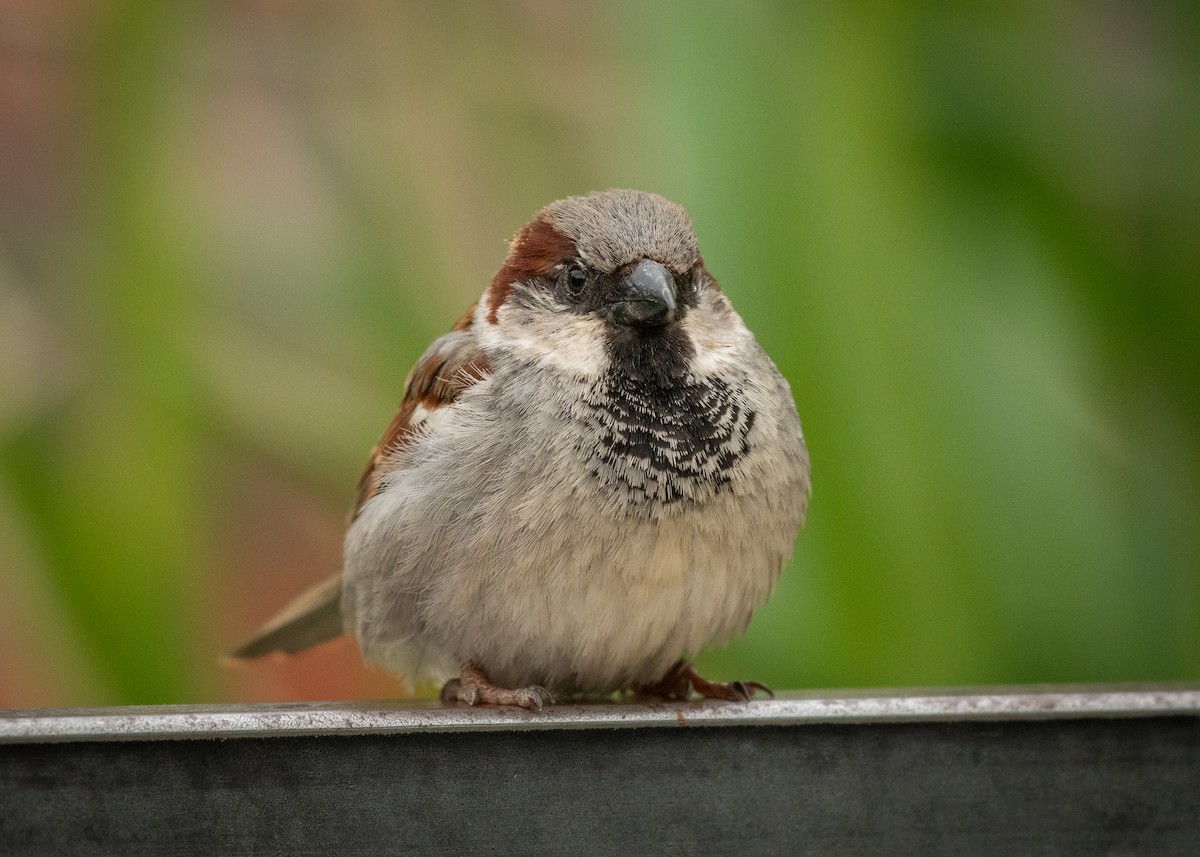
[
  {"x": 681, "y": 680},
  {"x": 534, "y": 697},
  {"x": 450, "y": 691},
  {"x": 745, "y": 689},
  {"x": 474, "y": 688}
]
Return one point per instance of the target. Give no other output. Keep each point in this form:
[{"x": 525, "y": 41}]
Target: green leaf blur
[{"x": 969, "y": 236}]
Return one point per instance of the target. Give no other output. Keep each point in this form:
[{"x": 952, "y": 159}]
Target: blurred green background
[{"x": 969, "y": 234}]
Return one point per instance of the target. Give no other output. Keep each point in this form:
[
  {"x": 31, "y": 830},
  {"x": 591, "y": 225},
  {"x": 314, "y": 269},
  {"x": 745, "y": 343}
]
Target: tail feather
[{"x": 313, "y": 617}]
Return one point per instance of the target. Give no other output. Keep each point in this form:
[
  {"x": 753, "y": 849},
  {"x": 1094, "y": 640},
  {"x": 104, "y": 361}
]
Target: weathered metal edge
[{"x": 142, "y": 723}]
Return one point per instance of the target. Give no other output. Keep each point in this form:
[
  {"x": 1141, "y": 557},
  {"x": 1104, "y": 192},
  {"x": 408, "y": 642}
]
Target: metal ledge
[
  {"x": 1063, "y": 771},
  {"x": 141, "y": 723}
]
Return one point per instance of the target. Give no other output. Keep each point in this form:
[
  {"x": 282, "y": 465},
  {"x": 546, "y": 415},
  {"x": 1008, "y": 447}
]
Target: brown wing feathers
[{"x": 450, "y": 365}]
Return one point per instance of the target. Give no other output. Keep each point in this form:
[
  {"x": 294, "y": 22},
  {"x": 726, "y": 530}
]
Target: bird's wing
[{"x": 449, "y": 366}]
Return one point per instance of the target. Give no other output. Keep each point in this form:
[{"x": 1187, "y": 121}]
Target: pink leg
[
  {"x": 681, "y": 680},
  {"x": 474, "y": 688}
]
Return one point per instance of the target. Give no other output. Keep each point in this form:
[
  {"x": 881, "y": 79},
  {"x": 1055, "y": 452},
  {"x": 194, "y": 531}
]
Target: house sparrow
[{"x": 596, "y": 472}]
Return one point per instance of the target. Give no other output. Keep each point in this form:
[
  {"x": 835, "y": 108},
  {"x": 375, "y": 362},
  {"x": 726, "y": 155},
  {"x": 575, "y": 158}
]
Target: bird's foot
[
  {"x": 681, "y": 680},
  {"x": 474, "y": 688}
]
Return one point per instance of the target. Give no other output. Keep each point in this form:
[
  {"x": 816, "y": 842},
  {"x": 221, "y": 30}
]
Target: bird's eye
[
  {"x": 689, "y": 282},
  {"x": 576, "y": 279}
]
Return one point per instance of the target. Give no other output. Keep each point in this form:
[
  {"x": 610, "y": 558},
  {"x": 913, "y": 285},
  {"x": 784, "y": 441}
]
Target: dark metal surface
[
  {"x": 1022, "y": 771},
  {"x": 340, "y": 718}
]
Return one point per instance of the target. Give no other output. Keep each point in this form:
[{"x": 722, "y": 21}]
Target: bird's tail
[{"x": 313, "y": 617}]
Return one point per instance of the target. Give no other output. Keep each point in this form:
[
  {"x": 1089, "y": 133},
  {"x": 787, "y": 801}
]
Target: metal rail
[
  {"x": 1059, "y": 771},
  {"x": 332, "y": 718}
]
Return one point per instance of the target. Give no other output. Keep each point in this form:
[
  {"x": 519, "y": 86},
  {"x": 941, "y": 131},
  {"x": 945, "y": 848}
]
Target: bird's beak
[{"x": 645, "y": 298}]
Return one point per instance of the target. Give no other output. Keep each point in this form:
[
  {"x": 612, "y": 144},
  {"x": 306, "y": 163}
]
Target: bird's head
[{"x": 605, "y": 280}]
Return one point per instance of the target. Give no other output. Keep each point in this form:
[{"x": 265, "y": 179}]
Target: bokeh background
[{"x": 969, "y": 234}]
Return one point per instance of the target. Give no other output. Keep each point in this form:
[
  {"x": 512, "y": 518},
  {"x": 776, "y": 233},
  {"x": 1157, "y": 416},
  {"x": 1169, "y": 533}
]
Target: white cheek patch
[
  {"x": 548, "y": 334},
  {"x": 719, "y": 336}
]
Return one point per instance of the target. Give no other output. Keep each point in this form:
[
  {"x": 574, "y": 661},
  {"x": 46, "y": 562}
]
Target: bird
[{"x": 595, "y": 474}]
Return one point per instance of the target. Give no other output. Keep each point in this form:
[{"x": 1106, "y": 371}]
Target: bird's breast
[{"x": 647, "y": 442}]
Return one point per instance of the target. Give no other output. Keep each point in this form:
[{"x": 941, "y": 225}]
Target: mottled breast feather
[{"x": 659, "y": 444}]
